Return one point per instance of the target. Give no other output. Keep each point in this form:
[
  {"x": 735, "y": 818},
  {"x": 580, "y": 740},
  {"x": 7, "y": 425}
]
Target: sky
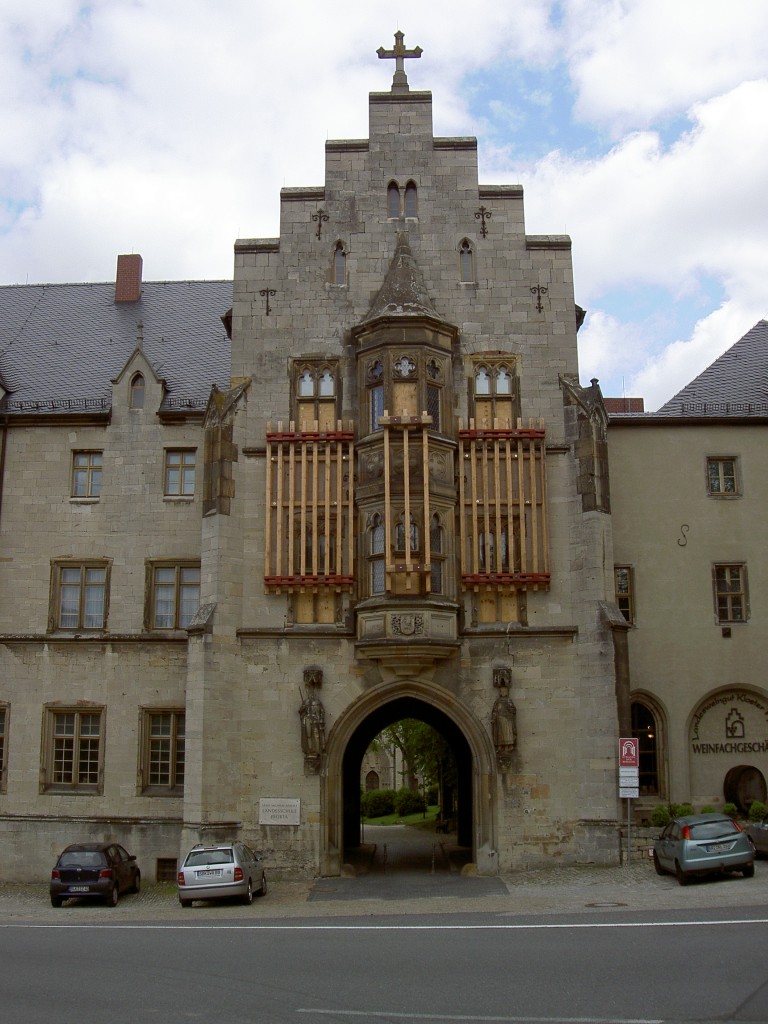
[{"x": 637, "y": 127}]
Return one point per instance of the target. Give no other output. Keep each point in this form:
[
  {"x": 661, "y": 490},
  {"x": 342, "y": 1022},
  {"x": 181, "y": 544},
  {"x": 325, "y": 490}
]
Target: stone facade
[{"x": 401, "y": 490}]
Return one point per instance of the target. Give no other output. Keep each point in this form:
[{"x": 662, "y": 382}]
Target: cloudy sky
[{"x": 639, "y": 127}]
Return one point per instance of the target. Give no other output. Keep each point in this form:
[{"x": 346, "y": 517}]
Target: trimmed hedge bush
[
  {"x": 757, "y": 810},
  {"x": 409, "y": 801},
  {"x": 377, "y": 803}
]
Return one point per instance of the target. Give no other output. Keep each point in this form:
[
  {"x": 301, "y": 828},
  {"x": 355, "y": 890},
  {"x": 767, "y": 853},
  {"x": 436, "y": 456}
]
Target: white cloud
[{"x": 169, "y": 126}]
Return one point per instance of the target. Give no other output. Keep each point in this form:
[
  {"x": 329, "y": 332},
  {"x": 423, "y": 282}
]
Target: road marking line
[
  {"x": 368, "y": 1014},
  {"x": 91, "y": 925}
]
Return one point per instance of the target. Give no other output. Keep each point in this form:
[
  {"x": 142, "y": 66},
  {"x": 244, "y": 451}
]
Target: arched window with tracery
[
  {"x": 315, "y": 396},
  {"x": 400, "y": 532},
  {"x": 466, "y": 262},
  {"x": 339, "y": 264}
]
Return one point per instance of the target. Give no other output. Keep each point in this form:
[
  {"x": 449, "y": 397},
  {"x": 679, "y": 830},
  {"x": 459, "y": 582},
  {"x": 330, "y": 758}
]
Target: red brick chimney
[{"x": 128, "y": 281}]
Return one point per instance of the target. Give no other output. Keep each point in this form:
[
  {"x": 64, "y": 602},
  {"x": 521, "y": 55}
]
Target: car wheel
[
  {"x": 56, "y": 901},
  {"x": 748, "y": 870},
  {"x": 681, "y": 876},
  {"x": 113, "y": 896},
  {"x": 657, "y": 864},
  {"x": 185, "y": 903},
  {"x": 248, "y": 897},
  {"x": 262, "y": 890},
  {"x": 136, "y": 887}
]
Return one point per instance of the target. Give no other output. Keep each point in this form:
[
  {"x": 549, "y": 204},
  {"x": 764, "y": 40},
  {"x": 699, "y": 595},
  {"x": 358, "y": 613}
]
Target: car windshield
[
  {"x": 209, "y": 857},
  {"x": 712, "y": 829}
]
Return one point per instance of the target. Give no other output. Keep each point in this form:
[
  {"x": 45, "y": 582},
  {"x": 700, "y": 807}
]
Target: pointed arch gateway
[{"x": 365, "y": 718}]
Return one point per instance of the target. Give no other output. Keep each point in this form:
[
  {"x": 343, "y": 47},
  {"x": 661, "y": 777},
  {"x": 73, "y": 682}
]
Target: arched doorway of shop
[{"x": 388, "y": 714}]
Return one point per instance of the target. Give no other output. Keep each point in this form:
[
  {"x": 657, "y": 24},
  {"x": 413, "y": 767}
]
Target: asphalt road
[{"x": 617, "y": 967}]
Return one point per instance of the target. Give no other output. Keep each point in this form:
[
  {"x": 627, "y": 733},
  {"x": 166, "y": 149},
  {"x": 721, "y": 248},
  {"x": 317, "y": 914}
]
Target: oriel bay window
[
  {"x": 405, "y": 384},
  {"x": 73, "y": 751}
]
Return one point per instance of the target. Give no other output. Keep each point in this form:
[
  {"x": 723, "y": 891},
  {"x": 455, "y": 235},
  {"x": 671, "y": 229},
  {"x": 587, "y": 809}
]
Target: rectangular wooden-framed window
[
  {"x": 73, "y": 741},
  {"x": 179, "y": 472},
  {"x": 722, "y": 476},
  {"x": 79, "y": 595},
  {"x": 624, "y": 587},
  {"x": 162, "y": 751},
  {"x": 86, "y": 474},
  {"x": 4, "y": 722},
  {"x": 730, "y": 592},
  {"x": 173, "y": 594}
]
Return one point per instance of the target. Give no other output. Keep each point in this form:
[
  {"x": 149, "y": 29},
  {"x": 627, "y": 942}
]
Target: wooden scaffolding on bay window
[
  {"x": 407, "y": 571},
  {"x": 309, "y": 541},
  {"x": 503, "y": 508}
]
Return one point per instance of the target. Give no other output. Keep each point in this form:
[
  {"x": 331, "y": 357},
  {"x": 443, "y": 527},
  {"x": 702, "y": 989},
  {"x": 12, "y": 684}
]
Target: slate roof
[
  {"x": 61, "y": 345},
  {"x": 736, "y": 384}
]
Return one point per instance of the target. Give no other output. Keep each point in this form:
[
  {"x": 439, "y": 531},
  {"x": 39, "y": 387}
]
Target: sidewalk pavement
[{"x": 405, "y": 884}]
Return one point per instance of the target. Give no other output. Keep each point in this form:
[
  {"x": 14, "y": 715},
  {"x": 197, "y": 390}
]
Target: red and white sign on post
[{"x": 629, "y": 768}]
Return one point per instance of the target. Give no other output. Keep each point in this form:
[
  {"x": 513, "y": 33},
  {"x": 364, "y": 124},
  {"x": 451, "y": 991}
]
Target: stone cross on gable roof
[{"x": 399, "y": 53}]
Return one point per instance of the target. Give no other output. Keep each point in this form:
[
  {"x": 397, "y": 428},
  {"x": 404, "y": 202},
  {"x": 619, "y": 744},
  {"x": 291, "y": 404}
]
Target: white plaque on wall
[{"x": 279, "y": 811}]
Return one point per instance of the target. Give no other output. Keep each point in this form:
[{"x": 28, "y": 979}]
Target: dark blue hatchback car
[{"x": 103, "y": 870}]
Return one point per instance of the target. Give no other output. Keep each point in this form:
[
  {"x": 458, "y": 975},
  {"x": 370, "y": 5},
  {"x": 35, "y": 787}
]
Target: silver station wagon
[
  {"x": 221, "y": 871},
  {"x": 701, "y": 844}
]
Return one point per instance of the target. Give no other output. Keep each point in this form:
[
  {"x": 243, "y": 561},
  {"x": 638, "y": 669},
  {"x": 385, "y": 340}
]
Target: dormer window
[{"x": 136, "y": 399}]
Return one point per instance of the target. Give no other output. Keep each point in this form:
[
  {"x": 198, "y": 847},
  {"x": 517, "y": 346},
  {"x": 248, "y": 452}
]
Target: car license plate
[
  {"x": 718, "y": 847},
  {"x": 79, "y": 888},
  {"x": 208, "y": 874}
]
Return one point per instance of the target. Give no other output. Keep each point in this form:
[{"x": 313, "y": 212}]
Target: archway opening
[
  {"x": 743, "y": 784},
  {"x": 397, "y": 710}
]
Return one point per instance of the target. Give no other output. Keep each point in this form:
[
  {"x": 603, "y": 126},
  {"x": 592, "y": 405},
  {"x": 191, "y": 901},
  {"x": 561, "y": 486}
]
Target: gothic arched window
[
  {"x": 393, "y": 199},
  {"x": 645, "y": 730},
  {"x": 411, "y": 206},
  {"x": 376, "y": 538},
  {"x": 339, "y": 264},
  {"x": 137, "y": 392},
  {"x": 436, "y": 554},
  {"x": 466, "y": 262}
]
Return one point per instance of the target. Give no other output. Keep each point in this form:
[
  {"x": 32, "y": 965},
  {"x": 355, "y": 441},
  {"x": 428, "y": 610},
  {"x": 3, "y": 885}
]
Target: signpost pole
[{"x": 629, "y": 781}]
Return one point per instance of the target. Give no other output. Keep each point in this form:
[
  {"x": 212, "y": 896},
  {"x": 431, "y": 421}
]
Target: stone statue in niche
[
  {"x": 312, "y": 715},
  {"x": 503, "y": 720}
]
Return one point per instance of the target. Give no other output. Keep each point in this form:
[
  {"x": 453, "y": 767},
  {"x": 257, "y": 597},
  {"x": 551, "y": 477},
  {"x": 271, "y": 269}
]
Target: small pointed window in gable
[
  {"x": 466, "y": 262},
  {"x": 339, "y": 264},
  {"x": 411, "y": 206},
  {"x": 393, "y": 199},
  {"x": 137, "y": 392}
]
